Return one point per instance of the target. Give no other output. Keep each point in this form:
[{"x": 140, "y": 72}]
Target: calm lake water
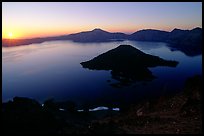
[{"x": 53, "y": 70}]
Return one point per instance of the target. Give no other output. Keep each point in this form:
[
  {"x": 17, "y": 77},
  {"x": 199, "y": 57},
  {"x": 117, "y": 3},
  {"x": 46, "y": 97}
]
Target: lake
[{"x": 53, "y": 70}]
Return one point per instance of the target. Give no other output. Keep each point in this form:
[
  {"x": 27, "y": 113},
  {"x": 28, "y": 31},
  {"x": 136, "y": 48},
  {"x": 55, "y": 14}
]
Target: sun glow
[{"x": 10, "y": 35}]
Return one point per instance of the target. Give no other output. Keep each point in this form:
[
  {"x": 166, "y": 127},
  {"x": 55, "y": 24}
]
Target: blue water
[{"x": 53, "y": 70}]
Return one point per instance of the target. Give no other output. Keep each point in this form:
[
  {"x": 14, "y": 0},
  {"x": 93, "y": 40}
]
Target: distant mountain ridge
[
  {"x": 185, "y": 37},
  {"x": 177, "y": 37},
  {"x": 96, "y": 35},
  {"x": 150, "y": 35}
]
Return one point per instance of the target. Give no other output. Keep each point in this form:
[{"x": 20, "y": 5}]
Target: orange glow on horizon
[
  {"x": 37, "y": 19},
  {"x": 23, "y": 33}
]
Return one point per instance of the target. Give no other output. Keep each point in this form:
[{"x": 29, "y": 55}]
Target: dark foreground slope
[{"x": 179, "y": 114}]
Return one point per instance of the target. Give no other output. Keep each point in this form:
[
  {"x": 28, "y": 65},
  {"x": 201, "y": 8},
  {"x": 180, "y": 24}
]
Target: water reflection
[{"x": 53, "y": 70}]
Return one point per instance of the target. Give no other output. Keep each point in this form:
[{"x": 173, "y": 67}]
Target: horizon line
[{"x": 95, "y": 29}]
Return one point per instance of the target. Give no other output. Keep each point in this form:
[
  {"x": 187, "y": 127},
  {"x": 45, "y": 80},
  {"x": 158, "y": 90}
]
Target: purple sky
[{"x": 35, "y": 19}]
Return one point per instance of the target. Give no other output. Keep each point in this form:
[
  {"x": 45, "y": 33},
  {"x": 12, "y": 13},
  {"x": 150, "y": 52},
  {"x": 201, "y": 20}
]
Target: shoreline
[{"x": 178, "y": 114}]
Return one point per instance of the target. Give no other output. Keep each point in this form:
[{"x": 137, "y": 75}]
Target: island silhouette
[{"x": 127, "y": 64}]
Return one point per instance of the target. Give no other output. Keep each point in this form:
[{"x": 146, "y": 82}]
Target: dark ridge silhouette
[
  {"x": 150, "y": 35},
  {"x": 185, "y": 37},
  {"x": 18, "y": 42},
  {"x": 187, "y": 41},
  {"x": 96, "y": 35},
  {"x": 165, "y": 115},
  {"x": 25, "y": 116},
  {"x": 127, "y": 64}
]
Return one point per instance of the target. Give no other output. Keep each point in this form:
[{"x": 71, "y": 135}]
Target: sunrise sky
[{"x": 41, "y": 19}]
